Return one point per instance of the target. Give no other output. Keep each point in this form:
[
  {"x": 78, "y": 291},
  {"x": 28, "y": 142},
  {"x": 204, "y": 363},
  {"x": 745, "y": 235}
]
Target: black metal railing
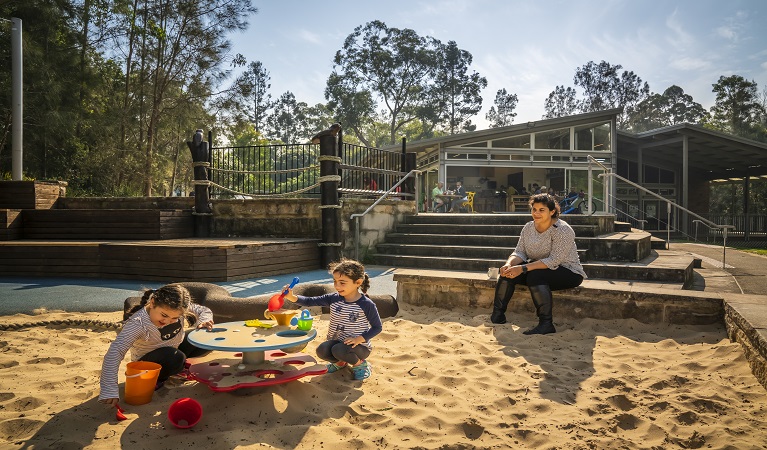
[
  {"x": 293, "y": 169},
  {"x": 265, "y": 170},
  {"x": 360, "y": 164}
]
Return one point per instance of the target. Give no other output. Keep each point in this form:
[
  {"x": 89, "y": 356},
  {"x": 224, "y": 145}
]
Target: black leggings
[
  {"x": 172, "y": 359},
  {"x": 559, "y": 279},
  {"x": 333, "y": 351}
]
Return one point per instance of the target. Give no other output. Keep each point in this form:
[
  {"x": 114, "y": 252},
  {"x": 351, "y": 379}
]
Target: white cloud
[
  {"x": 690, "y": 63},
  {"x": 308, "y": 36}
]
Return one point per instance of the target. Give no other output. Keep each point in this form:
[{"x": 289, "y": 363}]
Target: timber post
[
  {"x": 330, "y": 247},
  {"x": 200, "y": 159}
]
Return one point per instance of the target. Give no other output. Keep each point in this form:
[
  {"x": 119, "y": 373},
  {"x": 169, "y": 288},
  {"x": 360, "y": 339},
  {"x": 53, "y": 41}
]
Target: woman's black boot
[
  {"x": 504, "y": 289},
  {"x": 542, "y": 300}
]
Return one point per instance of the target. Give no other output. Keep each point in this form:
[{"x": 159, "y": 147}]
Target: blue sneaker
[
  {"x": 362, "y": 371},
  {"x": 336, "y": 366}
]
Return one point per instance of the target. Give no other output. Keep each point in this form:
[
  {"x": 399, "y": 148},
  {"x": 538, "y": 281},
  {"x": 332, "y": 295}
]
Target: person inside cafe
[
  {"x": 368, "y": 183},
  {"x": 460, "y": 191},
  {"x": 438, "y": 202},
  {"x": 545, "y": 260}
]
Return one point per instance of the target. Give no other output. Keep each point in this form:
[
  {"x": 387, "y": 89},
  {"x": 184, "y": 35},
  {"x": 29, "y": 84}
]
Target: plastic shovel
[
  {"x": 278, "y": 300},
  {"x": 119, "y": 414}
]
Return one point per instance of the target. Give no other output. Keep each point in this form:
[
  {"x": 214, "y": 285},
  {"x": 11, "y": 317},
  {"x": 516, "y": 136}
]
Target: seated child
[
  {"x": 154, "y": 333},
  {"x": 354, "y": 319}
]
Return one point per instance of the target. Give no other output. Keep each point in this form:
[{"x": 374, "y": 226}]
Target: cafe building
[{"x": 676, "y": 163}]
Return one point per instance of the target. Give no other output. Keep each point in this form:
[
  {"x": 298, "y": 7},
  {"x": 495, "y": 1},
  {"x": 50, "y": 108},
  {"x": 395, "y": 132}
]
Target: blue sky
[{"x": 526, "y": 47}]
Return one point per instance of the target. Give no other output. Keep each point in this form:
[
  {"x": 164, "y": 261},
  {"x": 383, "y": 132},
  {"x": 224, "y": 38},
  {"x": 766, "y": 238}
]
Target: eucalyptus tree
[
  {"x": 180, "y": 46},
  {"x": 737, "y": 108},
  {"x": 252, "y": 90},
  {"x": 671, "y": 107},
  {"x": 603, "y": 86},
  {"x": 381, "y": 65},
  {"x": 561, "y": 102},
  {"x": 456, "y": 91},
  {"x": 502, "y": 113},
  {"x": 288, "y": 122}
]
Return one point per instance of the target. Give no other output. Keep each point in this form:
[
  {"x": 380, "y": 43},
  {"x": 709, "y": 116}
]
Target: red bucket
[{"x": 185, "y": 413}]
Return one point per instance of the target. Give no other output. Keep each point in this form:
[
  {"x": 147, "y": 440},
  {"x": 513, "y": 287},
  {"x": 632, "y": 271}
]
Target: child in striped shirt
[
  {"x": 354, "y": 319},
  {"x": 154, "y": 333}
]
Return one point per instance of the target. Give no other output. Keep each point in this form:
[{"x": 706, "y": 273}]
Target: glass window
[
  {"x": 477, "y": 155},
  {"x": 554, "y": 139},
  {"x": 500, "y": 157},
  {"x": 593, "y": 137},
  {"x": 602, "y": 137},
  {"x": 666, "y": 176},
  {"x": 513, "y": 142},
  {"x": 457, "y": 155},
  {"x": 476, "y": 144},
  {"x": 651, "y": 174},
  {"x": 628, "y": 169}
]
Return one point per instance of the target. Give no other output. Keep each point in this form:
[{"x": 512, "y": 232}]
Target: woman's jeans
[{"x": 556, "y": 280}]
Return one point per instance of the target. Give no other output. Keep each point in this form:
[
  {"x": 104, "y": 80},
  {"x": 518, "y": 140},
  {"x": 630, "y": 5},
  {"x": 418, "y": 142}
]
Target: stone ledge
[{"x": 745, "y": 316}]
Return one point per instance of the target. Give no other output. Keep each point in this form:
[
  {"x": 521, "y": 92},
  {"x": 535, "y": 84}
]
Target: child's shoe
[
  {"x": 336, "y": 366},
  {"x": 362, "y": 371}
]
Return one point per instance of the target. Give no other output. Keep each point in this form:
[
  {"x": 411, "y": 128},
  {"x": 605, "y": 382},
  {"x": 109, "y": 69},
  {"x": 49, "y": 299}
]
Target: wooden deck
[{"x": 189, "y": 259}]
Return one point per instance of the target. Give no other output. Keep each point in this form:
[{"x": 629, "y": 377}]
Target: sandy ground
[{"x": 442, "y": 379}]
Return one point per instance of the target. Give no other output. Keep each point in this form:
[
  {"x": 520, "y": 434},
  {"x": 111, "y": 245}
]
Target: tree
[
  {"x": 502, "y": 113},
  {"x": 288, "y": 121},
  {"x": 605, "y": 87},
  {"x": 378, "y": 62},
  {"x": 252, "y": 88},
  {"x": 662, "y": 110},
  {"x": 737, "y": 108},
  {"x": 561, "y": 102},
  {"x": 456, "y": 91}
]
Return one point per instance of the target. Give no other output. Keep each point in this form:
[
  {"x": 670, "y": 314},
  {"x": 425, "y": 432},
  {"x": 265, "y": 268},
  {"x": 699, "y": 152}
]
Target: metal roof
[
  {"x": 714, "y": 155},
  {"x": 511, "y": 130}
]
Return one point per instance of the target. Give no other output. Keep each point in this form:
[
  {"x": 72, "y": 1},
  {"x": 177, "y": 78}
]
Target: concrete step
[
  {"x": 450, "y": 251},
  {"x": 622, "y": 226},
  {"x": 481, "y": 229},
  {"x": 601, "y": 223}
]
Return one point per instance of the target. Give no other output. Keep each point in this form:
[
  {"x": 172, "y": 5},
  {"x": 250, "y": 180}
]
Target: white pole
[{"x": 17, "y": 107}]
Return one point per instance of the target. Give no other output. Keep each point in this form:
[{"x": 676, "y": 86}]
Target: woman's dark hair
[
  {"x": 547, "y": 200},
  {"x": 172, "y": 296},
  {"x": 352, "y": 269}
]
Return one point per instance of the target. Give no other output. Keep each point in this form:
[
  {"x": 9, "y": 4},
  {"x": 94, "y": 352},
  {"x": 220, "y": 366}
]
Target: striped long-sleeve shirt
[
  {"x": 348, "y": 319},
  {"x": 554, "y": 247},
  {"x": 141, "y": 336}
]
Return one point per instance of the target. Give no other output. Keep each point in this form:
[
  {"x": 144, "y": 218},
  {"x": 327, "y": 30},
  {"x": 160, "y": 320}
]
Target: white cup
[{"x": 492, "y": 273}]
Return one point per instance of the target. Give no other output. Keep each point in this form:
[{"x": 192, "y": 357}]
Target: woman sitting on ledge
[{"x": 545, "y": 260}]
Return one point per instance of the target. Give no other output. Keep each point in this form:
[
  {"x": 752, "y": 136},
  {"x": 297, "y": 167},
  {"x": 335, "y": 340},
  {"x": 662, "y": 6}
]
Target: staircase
[{"x": 476, "y": 242}]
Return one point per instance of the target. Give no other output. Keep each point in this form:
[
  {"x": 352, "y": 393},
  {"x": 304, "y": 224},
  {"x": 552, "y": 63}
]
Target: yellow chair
[{"x": 469, "y": 202}]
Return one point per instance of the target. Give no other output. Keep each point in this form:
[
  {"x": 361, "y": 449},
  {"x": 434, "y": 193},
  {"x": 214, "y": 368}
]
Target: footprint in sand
[
  {"x": 611, "y": 383},
  {"x": 24, "y": 404},
  {"x": 472, "y": 429},
  {"x": 627, "y": 421},
  {"x": 47, "y": 360},
  {"x": 7, "y": 364},
  {"x": 660, "y": 406},
  {"x": 4, "y": 396},
  {"x": 17, "y": 429},
  {"x": 621, "y": 402},
  {"x": 687, "y": 418}
]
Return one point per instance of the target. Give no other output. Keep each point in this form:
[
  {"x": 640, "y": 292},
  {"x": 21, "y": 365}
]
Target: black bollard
[
  {"x": 202, "y": 212},
  {"x": 330, "y": 247}
]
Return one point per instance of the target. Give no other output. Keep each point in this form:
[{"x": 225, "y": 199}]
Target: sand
[{"x": 441, "y": 379}]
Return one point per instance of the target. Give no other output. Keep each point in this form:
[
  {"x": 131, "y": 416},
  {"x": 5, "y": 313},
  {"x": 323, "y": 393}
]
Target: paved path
[{"x": 748, "y": 270}]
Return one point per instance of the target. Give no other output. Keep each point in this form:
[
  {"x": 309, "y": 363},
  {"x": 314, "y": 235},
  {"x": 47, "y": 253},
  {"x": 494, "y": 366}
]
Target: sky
[{"x": 525, "y": 47}]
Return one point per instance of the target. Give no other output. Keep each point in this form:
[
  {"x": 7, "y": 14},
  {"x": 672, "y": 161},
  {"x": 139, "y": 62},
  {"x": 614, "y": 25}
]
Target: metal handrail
[
  {"x": 356, "y": 217},
  {"x": 669, "y": 204}
]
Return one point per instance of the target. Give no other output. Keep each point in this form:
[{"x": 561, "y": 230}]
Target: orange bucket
[{"x": 140, "y": 380}]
